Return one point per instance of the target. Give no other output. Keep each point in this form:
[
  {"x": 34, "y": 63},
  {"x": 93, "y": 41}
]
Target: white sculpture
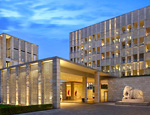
[{"x": 132, "y": 95}]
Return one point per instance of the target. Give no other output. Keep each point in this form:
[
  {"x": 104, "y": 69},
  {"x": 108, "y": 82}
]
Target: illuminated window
[
  {"x": 142, "y": 24},
  {"x": 123, "y": 30},
  {"x": 135, "y": 25},
  {"x": 102, "y": 42},
  {"x": 89, "y": 38},
  {"x": 147, "y": 31},
  {"x": 98, "y": 36}
]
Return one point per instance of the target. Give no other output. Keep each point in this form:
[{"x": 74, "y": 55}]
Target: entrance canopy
[{"x": 74, "y": 72}]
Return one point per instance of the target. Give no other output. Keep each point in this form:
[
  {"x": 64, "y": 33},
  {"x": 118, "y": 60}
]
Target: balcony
[
  {"x": 94, "y": 52},
  {"x": 85, "y": 54},
  {"x": 123, "y": 62},
  {"x": 141, "y": 59},
  {"x": 98, "y": 65}
]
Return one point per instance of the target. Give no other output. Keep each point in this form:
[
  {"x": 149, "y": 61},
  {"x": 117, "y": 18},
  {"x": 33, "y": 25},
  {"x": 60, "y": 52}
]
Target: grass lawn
[{"x": 15, "y": 109}]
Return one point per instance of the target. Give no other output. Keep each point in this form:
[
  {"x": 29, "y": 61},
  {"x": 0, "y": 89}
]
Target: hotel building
[
  {"x": 15, "y": 51},
  {"x": 116, "y": 47},
  {"x": 120, "y": 45}
]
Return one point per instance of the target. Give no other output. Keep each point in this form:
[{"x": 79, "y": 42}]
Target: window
[
  {"x": 129, "y": 59},
  {"x": 102, "y": 56},
  {"x": 123, "y": 45},
  {"x": 129, "y": 28},
  {"x": 142, "y": 24},
  {"x": 135, "y": 58},
  {"x": 129, "y": 43},
  {"x": 98, "y": 50},
  {"x": 112, "y": 40},
  {"x": 34, "y": 57},
  {"x": 7, "y": 63},
  {"x": 107, "y": 41},
  {"x": 123, "y": 30},
  {"x": 112, "y": 54},
  {"x": 89, "y": 38},
  {"x": 102, "y": 42},
  {"x": 141, "y": 57},
  {"x": 135, "y": 25},
  {"x": 107, "y": 55},
  {"x": 98, "y": 63},
  {"x": 148, "y": 48},
  {"x": 141, "y": 41},
  {"x": 123, "y": 59},
  {"x": 85, "y": 53},
  {"x": 98, "y": 36},
  {"x": 94, "y": 38},
  {"x": 71, "y": 49},
  {"x": 94, "y": 51},
  {"x": 118, "y": 38},
  {"x": 147, "y": 31},
  {"x": 85, "y": 40},
  {"x": 135, "y": 41}
]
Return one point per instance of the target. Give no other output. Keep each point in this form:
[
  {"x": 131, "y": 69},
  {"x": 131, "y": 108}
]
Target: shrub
[{"x": 24, "y": 109}]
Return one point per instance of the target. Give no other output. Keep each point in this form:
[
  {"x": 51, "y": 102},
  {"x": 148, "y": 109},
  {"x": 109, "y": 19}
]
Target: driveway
[{"x": 95, "y": 109}]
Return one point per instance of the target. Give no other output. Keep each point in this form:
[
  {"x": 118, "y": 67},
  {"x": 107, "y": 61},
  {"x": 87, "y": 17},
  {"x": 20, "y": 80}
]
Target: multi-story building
[
  {"x": 15, "y": 51},
  {"x": 119, "y": 45}
]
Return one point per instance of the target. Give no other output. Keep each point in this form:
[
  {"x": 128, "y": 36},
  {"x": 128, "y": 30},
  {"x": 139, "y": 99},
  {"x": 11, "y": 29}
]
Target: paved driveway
[{"x": 95, "y": 109}]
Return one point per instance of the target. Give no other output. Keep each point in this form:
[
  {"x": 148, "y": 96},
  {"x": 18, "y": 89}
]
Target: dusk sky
[{"x": 47, "y": 23}]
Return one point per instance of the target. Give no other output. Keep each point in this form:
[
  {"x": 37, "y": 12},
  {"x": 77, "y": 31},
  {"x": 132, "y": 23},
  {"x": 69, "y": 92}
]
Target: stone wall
[{"x": 116, "y": 86}]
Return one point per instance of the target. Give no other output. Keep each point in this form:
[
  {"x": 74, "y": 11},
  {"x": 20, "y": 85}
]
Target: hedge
[{"x": 24, "y": 109}]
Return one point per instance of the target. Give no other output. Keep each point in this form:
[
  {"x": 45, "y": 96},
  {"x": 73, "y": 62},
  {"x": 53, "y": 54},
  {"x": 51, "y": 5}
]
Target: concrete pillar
[
  {"x": 12, "y": 48},
  {"x": 56, "y": 82},
  {"x": 72, "y": 90},
  {"x": 0, "y": 86},
  {"x": 32, "y": 52},
  {"x": 64, "y": 91},
  {"x": 28, "y": 84},
  {"x": 4, "y": 51},
  {"x": 40, "y": 84},
  {"x": 7, "y": 87},
  {"x": 84, "y": 84},
  {"x": 19, "y": 49},
  {"x": 26, "y": 51},
  {"x": 97, "y": 87},
  {"x": 17, "y": 86}
]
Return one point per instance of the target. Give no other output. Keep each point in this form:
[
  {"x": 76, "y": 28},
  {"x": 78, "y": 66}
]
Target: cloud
[{"x": 9, "y": 13}]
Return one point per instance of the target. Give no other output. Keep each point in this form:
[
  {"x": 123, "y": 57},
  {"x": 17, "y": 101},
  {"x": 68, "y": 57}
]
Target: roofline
[
  {"x": 51, "y": 58},
  {"x": 19, "y": 38},
  {"x": 110, "y": 18}
]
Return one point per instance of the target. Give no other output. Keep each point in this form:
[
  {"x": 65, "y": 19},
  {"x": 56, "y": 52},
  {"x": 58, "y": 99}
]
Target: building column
[
  {"x": 84, "y": 84},
  {"x": 12, "y": 49},
  {"x": 4, "y": 50},
  {"x": 28, "y": 92},
  {"x": 0, "y": 86},
  {"x": 64, "y": 91},
  {"x": 97, "y": 87},
  {"x": 40, "y": 84},
  {"x": 72, "y": 90},
  {"x": 32, "y": 53},
  {"x": 7, "y": 87},
  {"x": 17, "y": 86},
  {"x": 56, "y": 82},
  {"x": 26, "y": 52},
  {"x": 19, "y": 50}
]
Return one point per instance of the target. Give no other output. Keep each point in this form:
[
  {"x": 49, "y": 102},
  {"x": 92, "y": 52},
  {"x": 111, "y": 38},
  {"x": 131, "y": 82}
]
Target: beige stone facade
[
  {"x": 116, "y": 87},
  {"x": 38, "y": 82},
  {"x": 120, "y": 45},
  {"x": 15, "y": 51}
]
